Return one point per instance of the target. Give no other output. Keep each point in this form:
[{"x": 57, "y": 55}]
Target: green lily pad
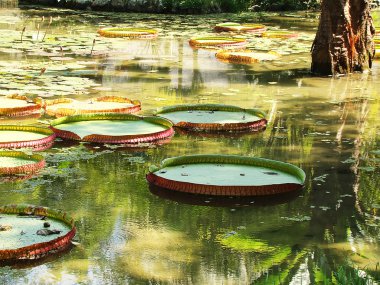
[
  {"x": 31, "y": 232},
  {"x": 112, "y": 128},
  {"x": 18, "y": 136},
  {"x": 214, "y": 117},
  {"x": 226, "y": 175},
  {"x": 16, "y": 162}
]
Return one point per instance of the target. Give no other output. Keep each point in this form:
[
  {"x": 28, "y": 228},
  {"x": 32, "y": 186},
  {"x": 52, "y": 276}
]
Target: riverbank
[
  {"x": 146, "y": 6},
  {"x": 174, "y": 6}
]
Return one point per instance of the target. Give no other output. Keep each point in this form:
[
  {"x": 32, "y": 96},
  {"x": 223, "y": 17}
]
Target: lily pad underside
[
  {"x": 32, "y": 232},
  {"x": 226, "y": 175},
  {"x": 108, "y": 104},
  {"x": 18, "y": 136},
  {"x": 113, "y": 128},
  {"x": 214, "y": 117}
]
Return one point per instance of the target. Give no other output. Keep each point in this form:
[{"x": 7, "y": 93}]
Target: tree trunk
[{"x": 344, "y": 40}]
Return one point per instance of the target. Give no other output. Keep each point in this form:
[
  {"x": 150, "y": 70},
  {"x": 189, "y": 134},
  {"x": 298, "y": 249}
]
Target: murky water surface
[{"x": 330, "y": 127}]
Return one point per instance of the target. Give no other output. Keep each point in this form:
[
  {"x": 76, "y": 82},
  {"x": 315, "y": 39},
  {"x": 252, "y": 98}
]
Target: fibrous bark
[{"x": 344, "y": 40}]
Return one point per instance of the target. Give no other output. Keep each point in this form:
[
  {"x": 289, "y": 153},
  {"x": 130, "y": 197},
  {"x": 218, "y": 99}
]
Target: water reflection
[
  {"x": 327, "y": 126},
  {"x": 216, "y": 201}
]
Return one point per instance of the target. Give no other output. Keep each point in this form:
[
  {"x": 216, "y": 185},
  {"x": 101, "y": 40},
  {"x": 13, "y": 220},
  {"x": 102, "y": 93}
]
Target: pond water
[{"x": 330, "y": 127}]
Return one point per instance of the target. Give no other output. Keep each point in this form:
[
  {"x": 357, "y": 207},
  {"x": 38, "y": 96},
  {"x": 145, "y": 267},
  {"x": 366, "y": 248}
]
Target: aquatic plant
[
  {"x": 42, "y": 244},
  {"x": 117, "y": 128},
  {"x": 236, "y": 27},
  {"x": 106, "y": 104},
  {"x": 218, "y": 42},
  {"x": 214, "y": 117},
  {"x": 279, "y": 34},
  {"x": 246, "y": 56},
  {"x": 17, "y": 105},
  {"x": 17, "y": 162},
  {"x": 229, "y": 175},
  {"x": 19, "y": 136},
  {"x": 128, "y": 33}
]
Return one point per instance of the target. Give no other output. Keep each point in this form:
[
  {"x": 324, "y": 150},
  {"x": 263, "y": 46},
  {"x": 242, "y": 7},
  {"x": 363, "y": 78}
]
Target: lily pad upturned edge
[
  {"x": 38, "y": 250},
  {"x": 216, "y": 127},
  {"x": 20, "y": 111},
  {"x": 228, "y": 56},
  {"x": 63, "y": 112},
  {"x": 279, "y": 34},
  {"x": 39, "y": 163},
  {"x": 137, "y": 33},
  {"x": 218, "y": 190},
  {"x": 236, "y": 27},
  {"x": 225, "y": 42},
  {"x": 39, "y": 144},
  {"x": 125, "y": 139}
]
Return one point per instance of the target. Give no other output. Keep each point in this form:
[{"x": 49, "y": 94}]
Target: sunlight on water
[{"x": 328, "y": 126}]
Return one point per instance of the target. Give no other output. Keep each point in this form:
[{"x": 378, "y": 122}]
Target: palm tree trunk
[{"x": 344, "y": 40}]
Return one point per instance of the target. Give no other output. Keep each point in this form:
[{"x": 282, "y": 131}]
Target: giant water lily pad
[
  {"x": 108, "y": 104},
  {"x": 17, "y": 162},
  {"x": 113, "y": 128},
  {"x": 236, "y": 27},
  {"x": 214, "y": 117},
  {"x": 14, "y": 105},
  {"x": 31, "y": 232},
  {"x": 279, "y": 34},
  {"x": 246, "y": 56},
  {"x": 18, "y": 136},
  {"x": 128, "y": 33},
  {"x": 226, "y": 175},
  {"x": 218, "y": 42}
]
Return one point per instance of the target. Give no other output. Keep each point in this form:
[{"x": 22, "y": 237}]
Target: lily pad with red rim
[
  {"x": 218, "y": 42},
  {"x": 15, "y": 105},
  {"x": 135, "y": 33},
  {"x": 19, "y": 136},
  {"x": 32, "y": 232},
  {"x": 113, "y": 128},
  {"x": 236, "y": 27},
  {"x": 246, "y": 56},
  {"x": 107, "y": 104},
  {"x": 214, "y": 117},
  {"x": 279, "y": 34},
  {"x": 17, "y": 162},
  {"x": 227, "y": 175}
]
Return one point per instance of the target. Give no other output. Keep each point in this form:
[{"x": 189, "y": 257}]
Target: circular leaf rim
[
  {"x": 217, "y": 127},
  {"x": 38, "y": 250},
  {"x": 37, "y": 163},
  {"x": 119, "y": 32},
  {"x": 123, "y": 139},
  {"x": 39, "y": 144},
  {"x": 220, "y": 190}
]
